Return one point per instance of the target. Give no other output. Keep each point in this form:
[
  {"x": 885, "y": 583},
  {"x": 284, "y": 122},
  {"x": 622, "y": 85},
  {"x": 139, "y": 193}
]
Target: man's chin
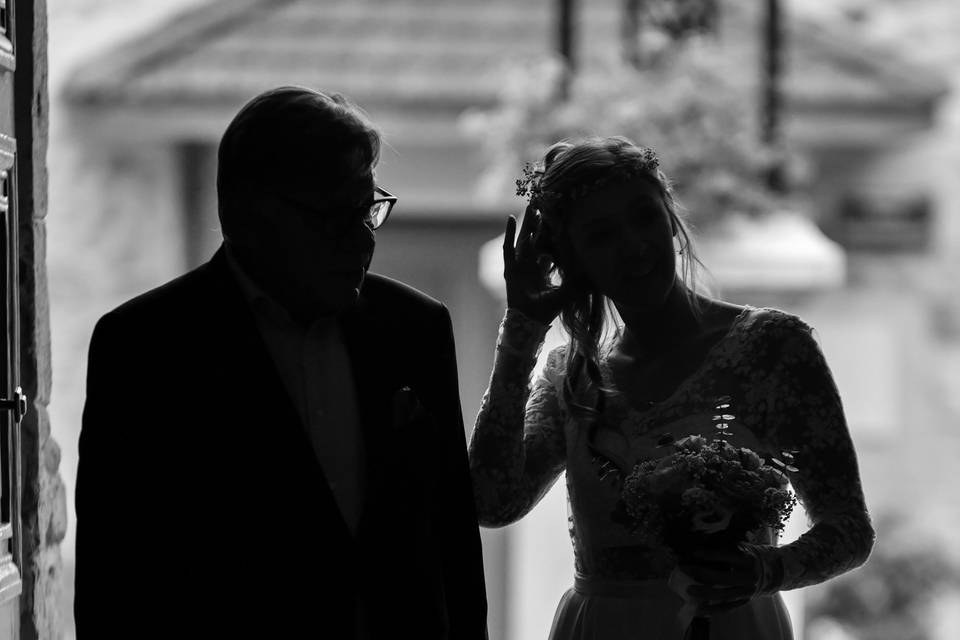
[
  {"x": 334, "y": 302},
  {"x": 333, "y": 293}
]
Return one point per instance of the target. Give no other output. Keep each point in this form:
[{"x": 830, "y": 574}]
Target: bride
[{"x": 602, "y": 215}]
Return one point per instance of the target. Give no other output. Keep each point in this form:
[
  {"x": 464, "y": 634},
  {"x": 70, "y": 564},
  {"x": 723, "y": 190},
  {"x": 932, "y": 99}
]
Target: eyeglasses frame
[{"x": 388, "y": 197}]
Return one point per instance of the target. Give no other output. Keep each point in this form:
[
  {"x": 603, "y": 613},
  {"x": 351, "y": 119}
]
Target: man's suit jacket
[{"x": 202, "y": 510}]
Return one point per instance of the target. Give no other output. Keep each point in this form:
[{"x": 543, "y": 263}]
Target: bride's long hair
[{"x": 571, "y": 169}]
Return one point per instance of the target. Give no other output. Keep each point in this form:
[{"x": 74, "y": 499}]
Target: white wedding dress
[{"x": 771, "y": 373}]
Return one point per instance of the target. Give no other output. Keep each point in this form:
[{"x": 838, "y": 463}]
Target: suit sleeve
[
  {"x": 455, "y": 512},
  {"x": 104, "y": 497}
]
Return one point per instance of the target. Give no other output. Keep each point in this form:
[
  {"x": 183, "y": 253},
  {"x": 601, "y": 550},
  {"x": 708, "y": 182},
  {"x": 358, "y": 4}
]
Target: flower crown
[{"x": 528, "y": 184}]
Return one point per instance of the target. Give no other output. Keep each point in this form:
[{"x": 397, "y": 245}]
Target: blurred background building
[{"x": 866, "y": 248}]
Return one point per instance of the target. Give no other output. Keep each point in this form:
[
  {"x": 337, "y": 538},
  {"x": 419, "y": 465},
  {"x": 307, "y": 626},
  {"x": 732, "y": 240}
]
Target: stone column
[{"x": 43, "y": 508}]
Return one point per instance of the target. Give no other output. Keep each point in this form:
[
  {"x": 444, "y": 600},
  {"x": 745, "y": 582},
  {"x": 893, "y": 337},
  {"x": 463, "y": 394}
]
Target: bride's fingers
[
  {"x": 525, "y": 235},
  {"x": 509, "y": 253},
  {"x": 722, "y": 607},
  {"x": 713, "y": 566},
  {"x": 529, "y": 223},
  {"x": 544, "y": 263},
  {"x": 717, "y": 594},
  {"x": 719, "y": 575},
  {"x": 716, "y": 556}
]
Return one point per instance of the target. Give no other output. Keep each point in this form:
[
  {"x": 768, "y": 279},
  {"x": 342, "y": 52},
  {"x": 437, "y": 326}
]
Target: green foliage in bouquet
[
  {"x": 705, "y": 493},
  {"x": 695, "y": 102}
]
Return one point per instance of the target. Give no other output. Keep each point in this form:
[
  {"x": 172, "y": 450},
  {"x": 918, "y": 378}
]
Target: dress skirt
[{"x": 649, "y": 610}]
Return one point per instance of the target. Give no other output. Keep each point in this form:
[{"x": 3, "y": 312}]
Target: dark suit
[{"x": 202, "y": 510}]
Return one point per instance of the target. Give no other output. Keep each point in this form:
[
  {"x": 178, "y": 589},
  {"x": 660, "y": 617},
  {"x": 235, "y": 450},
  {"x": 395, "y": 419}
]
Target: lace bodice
[{"x": 767, "y": 372}]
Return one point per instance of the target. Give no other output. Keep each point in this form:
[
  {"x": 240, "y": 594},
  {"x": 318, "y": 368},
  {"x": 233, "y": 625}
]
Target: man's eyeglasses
[
  {"x": 374, "y": 214},
  {"x": 380, "y": 208}
]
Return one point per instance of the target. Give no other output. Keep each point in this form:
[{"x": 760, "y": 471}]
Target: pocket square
[{"x": 406, "y": 407}]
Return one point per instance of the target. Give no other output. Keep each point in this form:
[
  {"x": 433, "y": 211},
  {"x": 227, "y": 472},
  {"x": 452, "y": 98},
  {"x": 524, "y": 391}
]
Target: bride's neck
[{"x": 652, "y": 331}]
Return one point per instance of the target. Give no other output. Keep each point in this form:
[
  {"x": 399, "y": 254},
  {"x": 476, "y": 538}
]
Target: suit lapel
[
  {"x": 253, "y": 375},
  {"x": 365, "y": 334}
]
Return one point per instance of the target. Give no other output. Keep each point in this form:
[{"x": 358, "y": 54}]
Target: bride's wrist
[
  {"x": 521, "y": 335},
  {"x": 769, "y": 568}
]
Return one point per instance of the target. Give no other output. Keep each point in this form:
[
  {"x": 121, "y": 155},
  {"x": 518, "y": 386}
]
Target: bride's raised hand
[{"x": 527, "y": 274}]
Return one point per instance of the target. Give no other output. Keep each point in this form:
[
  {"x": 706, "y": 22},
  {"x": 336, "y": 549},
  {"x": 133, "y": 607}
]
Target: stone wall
[{"x": 43, "y": 505}]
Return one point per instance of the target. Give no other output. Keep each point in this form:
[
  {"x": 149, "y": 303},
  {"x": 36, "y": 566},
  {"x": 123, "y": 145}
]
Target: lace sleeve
[
  {"x": 805, "y": 415},
  {"x": 516, "y": 455}
]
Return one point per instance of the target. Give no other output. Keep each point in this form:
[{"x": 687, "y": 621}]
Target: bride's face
[{"x": 622, "y": 237}]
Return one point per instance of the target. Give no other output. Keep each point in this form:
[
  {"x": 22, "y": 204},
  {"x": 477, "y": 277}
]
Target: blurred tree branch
[{"x": 693, "y": 100}]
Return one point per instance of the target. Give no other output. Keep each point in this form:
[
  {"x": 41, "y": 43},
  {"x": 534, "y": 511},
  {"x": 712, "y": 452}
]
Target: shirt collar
[
  {"x": 263, "y": 304},
  {"x": 256, "y": 297}
]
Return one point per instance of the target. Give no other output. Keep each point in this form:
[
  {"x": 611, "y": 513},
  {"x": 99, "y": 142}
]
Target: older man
[{"x": 272, "y": 444}]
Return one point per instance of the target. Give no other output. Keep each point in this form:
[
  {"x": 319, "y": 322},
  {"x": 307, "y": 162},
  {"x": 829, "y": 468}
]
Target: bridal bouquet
[{"x": 705, "y": 493}]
